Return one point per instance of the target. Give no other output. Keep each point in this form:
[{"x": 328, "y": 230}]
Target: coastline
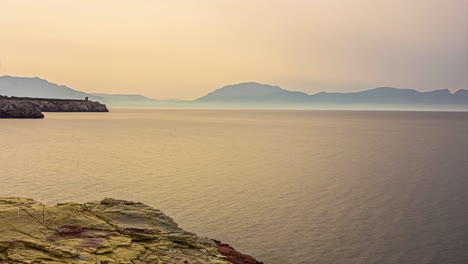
[
  {"x": 107, "y": 231},
  {"x": 25, "y": 107}
]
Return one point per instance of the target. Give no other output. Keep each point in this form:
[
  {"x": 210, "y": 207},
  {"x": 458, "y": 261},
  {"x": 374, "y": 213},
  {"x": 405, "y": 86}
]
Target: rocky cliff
[
  {"x": 23, "y": 107},
  {"x": 10, "y": 109},
  {"x": 109, "y": 231}
]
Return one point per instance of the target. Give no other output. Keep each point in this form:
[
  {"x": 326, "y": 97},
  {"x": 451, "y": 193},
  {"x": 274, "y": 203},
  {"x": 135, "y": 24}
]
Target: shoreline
[
  {"x": 25, "y": 107},
  {"x": 107, "y": 231}
]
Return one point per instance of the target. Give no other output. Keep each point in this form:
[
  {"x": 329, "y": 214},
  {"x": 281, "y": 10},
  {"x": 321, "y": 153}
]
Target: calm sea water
[{"x": 293, "y": 187}]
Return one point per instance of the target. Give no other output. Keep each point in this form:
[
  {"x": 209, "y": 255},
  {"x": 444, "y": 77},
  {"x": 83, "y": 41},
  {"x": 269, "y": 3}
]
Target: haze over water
[{"x": 285, "y": 186}]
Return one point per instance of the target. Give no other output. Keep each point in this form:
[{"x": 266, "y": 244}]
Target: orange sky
[{"x": 184, "y": 49}]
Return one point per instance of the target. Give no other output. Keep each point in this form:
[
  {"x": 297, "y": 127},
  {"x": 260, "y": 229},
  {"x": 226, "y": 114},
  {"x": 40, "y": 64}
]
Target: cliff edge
[
  {"x": 24, "y": 107},
  {"x": 10, "y": 109},
  {"x": 108, "y": 231}
]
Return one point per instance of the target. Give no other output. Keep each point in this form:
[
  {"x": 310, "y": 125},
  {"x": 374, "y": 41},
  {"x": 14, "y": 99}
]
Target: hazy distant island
[
  {"x": 107, "y": 231},
  {"x": 254, "y": 95},
  {"x": 26, "y": 107}
]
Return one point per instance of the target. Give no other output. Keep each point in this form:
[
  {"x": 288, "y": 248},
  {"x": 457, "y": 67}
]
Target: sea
[{"x": 286, "y": 186}]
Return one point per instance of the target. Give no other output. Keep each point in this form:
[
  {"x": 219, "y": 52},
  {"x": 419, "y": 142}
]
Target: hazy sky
[{"x": 184, "y": 49}]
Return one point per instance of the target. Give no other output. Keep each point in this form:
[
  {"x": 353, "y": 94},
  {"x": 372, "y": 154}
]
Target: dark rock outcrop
[
  {"x": 23, "y": 107},
  {"x": 234, "y": 256},
  {"x": 109, "y": 231},
  {"x": 10, "y": 109}
]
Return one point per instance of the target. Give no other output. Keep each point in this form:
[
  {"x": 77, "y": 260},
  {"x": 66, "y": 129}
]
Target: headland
[{"x": 26, "y": 107}]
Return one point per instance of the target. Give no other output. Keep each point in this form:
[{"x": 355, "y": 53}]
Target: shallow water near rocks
[{"x": 294, "y": 187}]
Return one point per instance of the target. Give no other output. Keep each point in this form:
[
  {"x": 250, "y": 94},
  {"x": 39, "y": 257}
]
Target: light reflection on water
[{"x": 285, "y": 186}]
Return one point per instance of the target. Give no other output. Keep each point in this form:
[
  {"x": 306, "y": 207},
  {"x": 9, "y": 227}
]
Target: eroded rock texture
[
  {"x": 10, "y": 109},
  {"x": 109, "y": 231}
]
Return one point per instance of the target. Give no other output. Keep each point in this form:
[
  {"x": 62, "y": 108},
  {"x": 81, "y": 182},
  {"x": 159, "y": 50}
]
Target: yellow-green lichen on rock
[{"x": 109, "y": 231}]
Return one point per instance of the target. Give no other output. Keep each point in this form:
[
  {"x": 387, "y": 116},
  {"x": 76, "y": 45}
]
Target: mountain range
[{"x": 254, "y": 95}]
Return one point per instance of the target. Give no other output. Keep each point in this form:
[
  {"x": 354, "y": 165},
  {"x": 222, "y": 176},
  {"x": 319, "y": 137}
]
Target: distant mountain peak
[
  {"x": 440, "y": 92},
  {"x": 388, "y": 88},
  {"x": 39, "y": 88},
  {"x": 24, "y": 78},
  {"x": 253, "y": 92},
  {"x": 385, "y": 88},
  {"x": 252, "y": 85},
  {"x": 36, "y": 80}
]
